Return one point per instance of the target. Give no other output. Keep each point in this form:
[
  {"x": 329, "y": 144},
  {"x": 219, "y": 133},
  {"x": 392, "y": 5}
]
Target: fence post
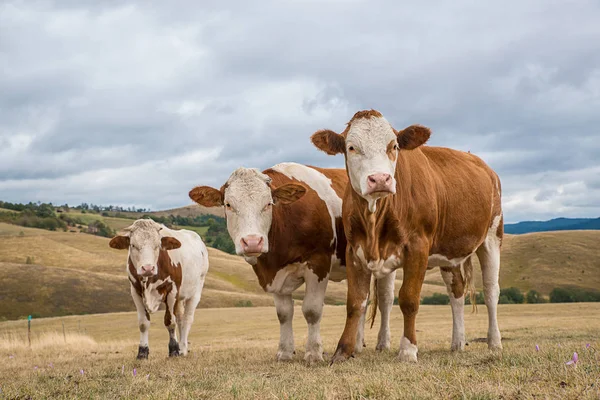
[
  {"x": 29, "y": 330},
  {"x": 64, "y": 335}
]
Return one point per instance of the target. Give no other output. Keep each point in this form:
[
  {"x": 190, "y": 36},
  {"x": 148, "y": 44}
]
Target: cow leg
[
  {"x": 171, "y": 323},
  {"x": 456, "y": 292},
  {"x": 180, "y": 315},
  {"x": 385, "y": 302},
  {"x": 284, "y": 304},
  {"x": 312, "y": 308},
  {"x": 360, "y": 333},
  {"x": 186, "y": 322},
  {"x": 143, "y": 323},
  {"x": 489, "y": 258},
  {"x": 358, "y": 294},
  {"x": 415, "y": 266}
]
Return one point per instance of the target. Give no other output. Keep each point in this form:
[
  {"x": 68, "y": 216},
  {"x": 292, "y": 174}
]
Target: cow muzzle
[
  {"x": 380, "y": 183},
  {"x": 148, "y": 270},
  {"x": 252, "y": 245}
]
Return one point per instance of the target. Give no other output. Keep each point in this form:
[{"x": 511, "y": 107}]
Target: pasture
[{"x": 233, "y": 349}]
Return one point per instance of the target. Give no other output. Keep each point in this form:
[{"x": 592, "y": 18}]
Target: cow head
[
  {"x": 144, "y": 239},
  {"x": 248, "y": 199},
  {"x": 371, "y": 145}
]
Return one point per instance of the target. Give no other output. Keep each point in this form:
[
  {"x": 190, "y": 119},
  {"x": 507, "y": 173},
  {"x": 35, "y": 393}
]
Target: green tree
[
  {"x": 436, "y": 299},
  {"x": 513, "y": 295}
]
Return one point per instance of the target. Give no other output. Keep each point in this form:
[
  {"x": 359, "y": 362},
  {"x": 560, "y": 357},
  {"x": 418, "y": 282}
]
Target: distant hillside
[
  {"x": 192, "y": 210},
  {"x": 60, "y": 273},
  {"x": 557, "y": 224}
]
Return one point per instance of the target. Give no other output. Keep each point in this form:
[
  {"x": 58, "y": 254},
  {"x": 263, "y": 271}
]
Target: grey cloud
[{"x": 105, "y": 100}]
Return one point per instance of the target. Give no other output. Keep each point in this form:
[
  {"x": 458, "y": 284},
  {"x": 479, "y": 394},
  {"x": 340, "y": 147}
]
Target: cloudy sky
[{"x": 136, "y": 103}]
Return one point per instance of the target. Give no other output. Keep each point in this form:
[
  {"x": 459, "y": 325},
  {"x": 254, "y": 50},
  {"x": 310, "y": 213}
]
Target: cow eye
[
  {"x": 267, "y": 206},
  {"x": 351, "y": 149},
  {"x": 228, "y": 206},
  {"x": 396, "y": 147}
]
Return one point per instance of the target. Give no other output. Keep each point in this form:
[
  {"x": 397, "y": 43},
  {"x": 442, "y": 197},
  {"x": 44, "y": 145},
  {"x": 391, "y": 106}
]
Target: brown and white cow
[
  {"x": 287, "y": 223},
  {"x": 412, "y": 207},
  {"x": 164, "y": 266}
]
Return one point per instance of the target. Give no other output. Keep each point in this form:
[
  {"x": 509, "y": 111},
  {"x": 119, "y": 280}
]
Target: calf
[
  {"x": 286, "y": 222},
  {"x": 412, "y": 207},
  {"x": 164, "y": 266}
]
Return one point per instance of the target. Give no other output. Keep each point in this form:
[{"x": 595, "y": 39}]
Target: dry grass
[{"x": 233, "y": 357}]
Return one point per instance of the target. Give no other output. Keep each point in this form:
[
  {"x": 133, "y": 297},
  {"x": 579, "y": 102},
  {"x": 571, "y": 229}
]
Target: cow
[
  {"x": 164, "y": 266},
  {"x": 415, "y": 207},
  {"x": 287, "y": 223}
]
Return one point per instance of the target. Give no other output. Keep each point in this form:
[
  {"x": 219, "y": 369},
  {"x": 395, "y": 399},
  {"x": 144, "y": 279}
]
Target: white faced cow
[
  {"x": 286, "y": 222},
  {"x": 164, "y": 266},
  {"x": 412, "y": 207}
]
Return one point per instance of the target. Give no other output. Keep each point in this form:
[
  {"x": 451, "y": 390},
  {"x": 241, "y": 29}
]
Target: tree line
[{"x": 514, "y": 295}]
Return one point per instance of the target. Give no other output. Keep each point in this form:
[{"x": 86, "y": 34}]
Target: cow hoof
[
  {"x": 339, "y": 357},
  {"x": 143, "y": 353},
  {"x": 406, "y": 356},
  {"x": 359, "y": 348},
  {"x": 457, "y": 346},
  {"x": 382, "y": 346},
  {"x": 174, "y": 348},
  {"x": 313, "y": 358},
  {"x": 495, "y": 346},
  {"x": 408, "y": 351},
  {"x": 285, "y": 355}
]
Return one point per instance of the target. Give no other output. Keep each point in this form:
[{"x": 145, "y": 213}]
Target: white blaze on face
[
  {"x": 248, "y": 206},
  {"x": 145, "y": 242},
  {"x": 367, "y": 143}
]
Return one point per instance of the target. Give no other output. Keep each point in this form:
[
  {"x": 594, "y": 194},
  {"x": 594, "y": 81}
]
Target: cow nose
[
  {"x": 147, "y": 269},
  {"x": 379, "y": 183},
  {"x": 252, "y": 244}
]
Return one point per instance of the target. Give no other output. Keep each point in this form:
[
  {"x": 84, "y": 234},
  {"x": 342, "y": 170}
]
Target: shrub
[
  {"x": 573, "y": 295},
  {"x": 436, "y": 299},
  {"x": 244, "y": 303},
  {"x": 513, "y": 295},
  {"x": 479, "y": 299},
  {"x": 504, "y": 299},
  {"x": 534, "y": 297},
  {"x": 29, "y": 260}
]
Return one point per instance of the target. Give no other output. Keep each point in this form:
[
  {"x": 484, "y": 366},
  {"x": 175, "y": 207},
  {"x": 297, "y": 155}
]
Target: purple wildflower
[
  {"x": 11, "y": 356},
  {"x": 587, "y": 346},
  {"x": 134, "y": 372},
  {"x": 123, "y": 370},
  {"x": 148, "y": 376},
  {"x": 537, "y": 348},
  {"x": 81, "y": 372},
  {"x": 36, "y": 367},
  {"x": 574, "y": 360}
]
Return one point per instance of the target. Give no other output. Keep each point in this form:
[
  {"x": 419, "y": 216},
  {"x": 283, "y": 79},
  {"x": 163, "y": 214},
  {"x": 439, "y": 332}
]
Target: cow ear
[
  {"x": 412, "y": 137},
  {"x": 169, "y": 243},
  {"x": 289, "y": 193},
  {"x": 328, "y": 141},
  {"x": 119, "y": 242},
  {"x": 206, "y": 196}
]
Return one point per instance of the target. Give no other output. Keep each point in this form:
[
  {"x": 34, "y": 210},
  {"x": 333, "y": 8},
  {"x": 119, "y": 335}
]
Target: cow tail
[
  {"x": 470, "y": 283},
  {"x": 373, "y": 303}
]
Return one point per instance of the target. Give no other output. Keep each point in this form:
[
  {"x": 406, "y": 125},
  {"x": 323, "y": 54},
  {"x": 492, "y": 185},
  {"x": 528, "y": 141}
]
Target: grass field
[{"x": 233, "y": 354}]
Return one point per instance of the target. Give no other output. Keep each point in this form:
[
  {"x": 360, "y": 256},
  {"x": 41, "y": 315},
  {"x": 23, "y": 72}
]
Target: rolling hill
[
  {"x": 557, "y": 224},
  {"x": 59, "y": 273}
]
